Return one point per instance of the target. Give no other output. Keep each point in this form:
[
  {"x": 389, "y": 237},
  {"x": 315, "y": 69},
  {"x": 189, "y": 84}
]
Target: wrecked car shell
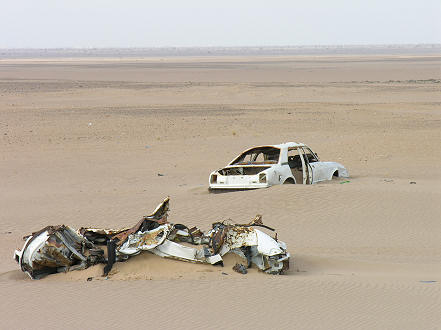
[
  {"x": 55, "y": 249},
  {"x": 59, "y": 248},
  {"x": 265, "y": 166}
]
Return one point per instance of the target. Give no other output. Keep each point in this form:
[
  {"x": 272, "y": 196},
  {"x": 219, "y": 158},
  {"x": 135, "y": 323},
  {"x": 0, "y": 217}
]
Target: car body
[{"x": 268, "y": 165}]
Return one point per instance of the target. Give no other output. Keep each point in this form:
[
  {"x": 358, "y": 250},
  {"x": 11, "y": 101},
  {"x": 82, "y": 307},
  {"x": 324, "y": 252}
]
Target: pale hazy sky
[{"x": 143, "y": 23}]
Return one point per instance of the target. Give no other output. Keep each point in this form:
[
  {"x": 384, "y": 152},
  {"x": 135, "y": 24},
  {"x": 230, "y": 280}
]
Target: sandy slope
[{"x": 82, "y": 143}]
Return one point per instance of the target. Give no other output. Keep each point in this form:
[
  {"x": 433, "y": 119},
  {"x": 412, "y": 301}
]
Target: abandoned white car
[{"x": 265, "y": 166}]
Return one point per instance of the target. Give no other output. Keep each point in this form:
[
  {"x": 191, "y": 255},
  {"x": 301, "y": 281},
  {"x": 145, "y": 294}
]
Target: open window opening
[
  {"x": 258, "y": 156},
  {"x": 309, "y": 155}
]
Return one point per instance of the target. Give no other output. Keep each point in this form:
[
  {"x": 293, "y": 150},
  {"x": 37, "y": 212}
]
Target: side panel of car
[
  {"x": 334, "y": 167},
  {"x": 285, "y": 173},
  {"x": 284, "y": 170},
  {"x": 320, "y": 172},
  {"x": 273, "y": 176}
]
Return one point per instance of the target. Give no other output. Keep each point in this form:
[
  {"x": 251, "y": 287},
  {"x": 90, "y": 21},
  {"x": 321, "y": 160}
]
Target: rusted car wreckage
[{"x": 56, "y": 249}]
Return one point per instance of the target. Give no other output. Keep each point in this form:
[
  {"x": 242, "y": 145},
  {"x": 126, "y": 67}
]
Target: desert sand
[{"x": 82, "y": 141}]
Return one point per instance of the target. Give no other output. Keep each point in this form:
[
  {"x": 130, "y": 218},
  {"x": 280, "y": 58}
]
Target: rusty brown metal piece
[
  {"x": 148, "y": 222},
  {"x": 257, "y": 220},
  {"x": 218, "y": 238},
  {"x": 99, "y": 235}
]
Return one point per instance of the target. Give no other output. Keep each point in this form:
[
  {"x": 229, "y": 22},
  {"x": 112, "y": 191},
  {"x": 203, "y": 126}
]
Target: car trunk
[{"x": 242, "y": 170}]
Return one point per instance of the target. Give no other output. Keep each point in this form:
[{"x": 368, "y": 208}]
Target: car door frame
[{"x": 308, "y": 170}]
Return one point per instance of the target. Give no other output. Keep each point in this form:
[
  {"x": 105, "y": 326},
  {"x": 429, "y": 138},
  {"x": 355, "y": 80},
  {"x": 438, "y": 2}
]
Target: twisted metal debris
[{"x": 56, "y": 249}]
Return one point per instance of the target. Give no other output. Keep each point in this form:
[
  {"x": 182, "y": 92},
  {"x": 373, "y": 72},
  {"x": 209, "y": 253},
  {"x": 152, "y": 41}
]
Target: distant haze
[{"x": 136, "y": 23}]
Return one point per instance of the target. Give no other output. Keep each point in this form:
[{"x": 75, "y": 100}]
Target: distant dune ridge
[
  {"x": 394, "y": 49},
  {"x": 82, "y": 141}
]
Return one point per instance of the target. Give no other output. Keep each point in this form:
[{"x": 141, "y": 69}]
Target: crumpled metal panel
[
  {"x": 60, "y": 248},
  {"x": 148, "y": 240},
  {"x": 177, "y": 251},
  {"x": 54, "y": 249}
]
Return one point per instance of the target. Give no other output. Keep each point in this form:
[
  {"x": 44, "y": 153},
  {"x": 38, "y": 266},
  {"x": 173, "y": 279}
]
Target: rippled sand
[{"x": 82, "y": 142}]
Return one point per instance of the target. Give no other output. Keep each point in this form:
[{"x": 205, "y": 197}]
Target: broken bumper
[{"x": 238, "y": 186}]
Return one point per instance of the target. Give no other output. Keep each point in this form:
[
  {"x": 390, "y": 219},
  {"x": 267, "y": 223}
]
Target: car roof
[
  {"x": 281, "y": 146},
  {"x": 289, "y": 145}
]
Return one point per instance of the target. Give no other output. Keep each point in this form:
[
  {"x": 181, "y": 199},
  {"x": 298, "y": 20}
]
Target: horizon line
[{"x": 230, "y": 47}]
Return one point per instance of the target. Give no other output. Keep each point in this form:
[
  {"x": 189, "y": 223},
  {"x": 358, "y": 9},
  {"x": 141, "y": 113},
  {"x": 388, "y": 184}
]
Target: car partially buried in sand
[{"x": 265, "y": 166}]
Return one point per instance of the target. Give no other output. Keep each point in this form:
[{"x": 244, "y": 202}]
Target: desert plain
[{"x": 100, "y": 141}]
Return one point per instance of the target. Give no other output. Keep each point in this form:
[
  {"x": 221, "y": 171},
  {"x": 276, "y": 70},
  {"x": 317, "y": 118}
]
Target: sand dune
[{"x": 82, "y": 143}]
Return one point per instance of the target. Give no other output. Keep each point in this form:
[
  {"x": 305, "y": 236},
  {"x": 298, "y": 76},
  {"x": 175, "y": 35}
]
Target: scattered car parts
[
  {"x": 265, "y": 166},
  {"x": 56, "y": 249}
]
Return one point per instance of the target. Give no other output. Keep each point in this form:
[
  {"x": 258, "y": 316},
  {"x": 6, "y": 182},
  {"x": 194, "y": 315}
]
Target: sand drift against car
[
  {"x": 265, "y": 166},
  {"x": 56, "y": 249}
]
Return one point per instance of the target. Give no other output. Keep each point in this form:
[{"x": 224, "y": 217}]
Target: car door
[
  {"x": 318, "y": 171},
  {"x": 307, "y": 170}
]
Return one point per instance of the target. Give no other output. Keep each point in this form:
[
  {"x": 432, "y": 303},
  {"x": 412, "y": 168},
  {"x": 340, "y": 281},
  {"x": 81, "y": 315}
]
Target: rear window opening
[{"x": 258, "y": 156}]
